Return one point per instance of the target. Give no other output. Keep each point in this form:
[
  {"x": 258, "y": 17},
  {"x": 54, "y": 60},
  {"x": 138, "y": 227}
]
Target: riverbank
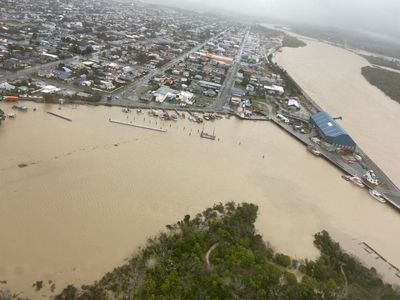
[
  {"x": 332, "y": 77},
  {"x": 385, "y": 80},
  {"x": 226, "y": 235},
  {"x": 93, "y": 191}
]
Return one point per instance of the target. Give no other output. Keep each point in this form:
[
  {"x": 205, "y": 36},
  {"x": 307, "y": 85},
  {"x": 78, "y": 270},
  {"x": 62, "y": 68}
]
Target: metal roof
[{"x": 331, "y": 130}]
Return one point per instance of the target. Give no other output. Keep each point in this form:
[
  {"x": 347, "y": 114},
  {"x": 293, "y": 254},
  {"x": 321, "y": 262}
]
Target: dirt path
[
  {"x": 345, "y": 281},
  {"x": 208, "y": 254}
]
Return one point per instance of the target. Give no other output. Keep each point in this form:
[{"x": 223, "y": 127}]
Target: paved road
[
  {"x": 230, "y": 78},
  {"x": 130, "y": 92},
  {"x": 8, "y": 75}
]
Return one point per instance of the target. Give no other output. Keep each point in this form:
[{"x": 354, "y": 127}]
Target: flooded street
[{"x": 92, "y": 192}]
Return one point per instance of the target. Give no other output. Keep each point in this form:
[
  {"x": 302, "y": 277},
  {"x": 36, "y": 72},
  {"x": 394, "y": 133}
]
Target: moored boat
[
  {"x": 354, "y": 179},
  {"x": 313, "y": 150},
  {"x": 346, "y": 177},
  {"x": 357, "y": 181},
  {"x": 377, "y": 196}
]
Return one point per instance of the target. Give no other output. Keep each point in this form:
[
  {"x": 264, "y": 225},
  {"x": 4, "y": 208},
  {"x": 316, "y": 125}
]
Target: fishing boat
[
  {"x": 20, "y": 108},
  {"x": 377, "y": 196},
  {"x": 346, "y": 177},
  {"x": 354, "y": 179},
  {"x": 154, "y": 113},
  {"x": 357, "y": 181},
  {"x": 313, "y": 150}
]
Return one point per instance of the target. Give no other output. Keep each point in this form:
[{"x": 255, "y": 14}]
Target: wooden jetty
[
  {"x": 206, "y": 135},
  {"x": 59, "y": 116},
  {"x": 138, "y": 126}
]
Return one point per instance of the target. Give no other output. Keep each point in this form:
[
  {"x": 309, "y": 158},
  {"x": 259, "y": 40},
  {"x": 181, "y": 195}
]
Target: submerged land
[
  {"x": 188, "y": 72},
  {"x": 385, "y": 80},
  {"x": 218, "y": 254}
]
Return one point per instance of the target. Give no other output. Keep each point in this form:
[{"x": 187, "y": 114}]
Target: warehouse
[{"x": 331, "y": 131}]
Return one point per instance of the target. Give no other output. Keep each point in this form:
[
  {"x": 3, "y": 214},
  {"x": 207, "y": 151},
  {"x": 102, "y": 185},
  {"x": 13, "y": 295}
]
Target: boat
[
  {"x": 126, "y": 110},
  {"x": 11, "y": 115},
  {"x": 154, "y": 113},
  {"x": 377, "y": 196},
  {"x": 165, "y": 116},
  {"x": 354, "y": 179},
  {"x": 21, "y": 108},
  {"x": 346, "y": 177},
  {"x": 139, "y": 110},
  {"x": 357, "y": 181},
  {"x": 313, "y": 150}
]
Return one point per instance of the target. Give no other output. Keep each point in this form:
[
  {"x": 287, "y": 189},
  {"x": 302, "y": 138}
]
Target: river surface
[
  {"x": 332, "y": 77},
  {"x": 92, "y": 191}
]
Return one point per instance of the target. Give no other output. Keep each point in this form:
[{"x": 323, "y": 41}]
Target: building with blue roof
[{"x": 331, "y": 131}]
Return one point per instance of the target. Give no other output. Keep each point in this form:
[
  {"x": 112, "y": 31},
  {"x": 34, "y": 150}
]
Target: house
[
  {"x": 274, "y": 89},
  {"x": 294, "y": 104},
  {"x": 5, "y": 86},
  {"x": 209, "y": 85},
  {"x": 236, "y": 101},
  {"x": 10, "y": 64},
  {"x": 50, "y": 89},
  {"x": 107, "y": 85},
  {"x": 163, "y": 92},
  {"x": 62, "y": 75}
]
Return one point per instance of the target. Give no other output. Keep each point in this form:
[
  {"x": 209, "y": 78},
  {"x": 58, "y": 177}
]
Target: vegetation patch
[
  {"x": 292, "y": 42},
  {"x": 239, "y": 265},
  {"x": 386, "y": 81},
  {"x": 380, "y": 61}
]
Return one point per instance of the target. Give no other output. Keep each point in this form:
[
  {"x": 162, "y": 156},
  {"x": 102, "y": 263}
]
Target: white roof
[
  {"x": 293, "y": 102},
  {"x": 275, "y": 88}
]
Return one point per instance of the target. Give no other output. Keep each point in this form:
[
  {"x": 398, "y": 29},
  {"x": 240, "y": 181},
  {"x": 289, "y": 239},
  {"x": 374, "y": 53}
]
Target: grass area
[
  {"x": 380, "y": 61},
  {"x": 387, "y": 81},
  {"x": 203, "y": 101},
  {"x": 218, "y": 254},
  {"x": 292, "y": 42}
]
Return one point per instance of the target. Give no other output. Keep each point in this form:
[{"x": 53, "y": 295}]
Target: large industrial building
[{"x": 331, "y": 131}]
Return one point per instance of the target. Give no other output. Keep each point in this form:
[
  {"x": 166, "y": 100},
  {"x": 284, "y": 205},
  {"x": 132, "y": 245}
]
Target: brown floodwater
[
  {"x": 332, "y": 77},
  {"x": 92, "y": 192}
]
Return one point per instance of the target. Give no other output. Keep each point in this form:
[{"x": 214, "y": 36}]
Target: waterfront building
[{"x": 331, "y": 131}]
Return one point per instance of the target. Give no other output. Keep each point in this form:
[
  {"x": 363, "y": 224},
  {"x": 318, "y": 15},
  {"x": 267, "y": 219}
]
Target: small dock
[
  {"x": 206, "y": 135},
  {"x": 59, "y": 116},
  {"x": 137, "y": 126}
]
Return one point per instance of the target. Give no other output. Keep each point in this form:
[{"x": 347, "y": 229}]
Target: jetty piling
[
  {"x": 137, "y": 126},
  {"x": 59, "y": 116}
]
